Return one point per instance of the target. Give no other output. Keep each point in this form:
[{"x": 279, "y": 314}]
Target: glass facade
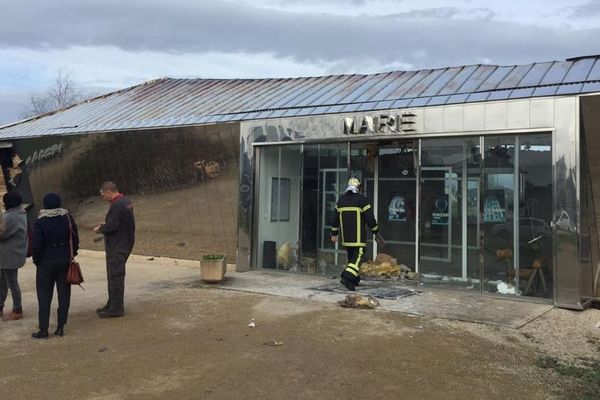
[{"x": 465, "y": 212}]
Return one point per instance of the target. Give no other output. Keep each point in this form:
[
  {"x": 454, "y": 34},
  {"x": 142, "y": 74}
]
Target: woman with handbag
[{"x": 55, "y": 243}]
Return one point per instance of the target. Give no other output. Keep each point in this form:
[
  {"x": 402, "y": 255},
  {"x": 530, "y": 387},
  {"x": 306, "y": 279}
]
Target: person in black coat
[
  {"x": 52, "y": 232},
  {"x": 119, "y": 236}
]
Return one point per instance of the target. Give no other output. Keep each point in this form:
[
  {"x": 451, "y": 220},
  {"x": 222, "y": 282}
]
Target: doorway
[{"x": 449, "y": 218}]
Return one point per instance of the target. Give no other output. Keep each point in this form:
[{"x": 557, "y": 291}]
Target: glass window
[{"x": 278, "y": 207}]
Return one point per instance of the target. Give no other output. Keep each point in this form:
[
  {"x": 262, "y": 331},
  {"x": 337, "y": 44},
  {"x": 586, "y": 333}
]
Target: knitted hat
[
  {"x": 12, "y": 200},
  {"x": 51, "y": 200}
]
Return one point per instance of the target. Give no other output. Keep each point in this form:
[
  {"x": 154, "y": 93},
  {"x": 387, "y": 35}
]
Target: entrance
[
  {"x": 471, "y": 212},
  {"x": 485, "y": 215},
  {"x": 449, "y": 212}
]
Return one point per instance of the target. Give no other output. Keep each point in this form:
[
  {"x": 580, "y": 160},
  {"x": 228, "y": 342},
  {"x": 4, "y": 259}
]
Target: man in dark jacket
[
  {"x": 353, "y": 212},
  {"x": 119, "y": 236}
]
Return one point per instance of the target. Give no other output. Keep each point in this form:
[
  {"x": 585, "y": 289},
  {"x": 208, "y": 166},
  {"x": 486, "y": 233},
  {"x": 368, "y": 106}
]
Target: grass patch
[{"x": 587, "y": 372}]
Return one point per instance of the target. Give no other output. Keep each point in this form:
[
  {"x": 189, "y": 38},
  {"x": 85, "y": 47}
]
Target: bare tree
[{"x": 63, "y": 93}]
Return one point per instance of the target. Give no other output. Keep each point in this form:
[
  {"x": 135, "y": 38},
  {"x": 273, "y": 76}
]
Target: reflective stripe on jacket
[{"x": 353, "y": 213}]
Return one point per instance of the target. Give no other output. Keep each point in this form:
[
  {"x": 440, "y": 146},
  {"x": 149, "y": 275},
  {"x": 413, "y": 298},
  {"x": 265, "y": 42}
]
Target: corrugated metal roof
[{"x": 180, "y": 102}]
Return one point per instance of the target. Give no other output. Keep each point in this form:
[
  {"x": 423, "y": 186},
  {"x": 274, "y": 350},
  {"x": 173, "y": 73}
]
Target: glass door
[
  {"x": 517, "y": 212},
  {"x": 500, "y": 190},
  {"x": 449, "y": 219},
  {"x": 396, "y": 201},
  {"x": 333, "y": 176}
]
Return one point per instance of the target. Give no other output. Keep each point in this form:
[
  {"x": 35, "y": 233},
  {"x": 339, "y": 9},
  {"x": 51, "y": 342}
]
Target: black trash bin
[{"x": 269, "y": 254}]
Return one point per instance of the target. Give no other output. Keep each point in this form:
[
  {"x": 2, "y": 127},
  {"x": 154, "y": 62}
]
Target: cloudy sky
[{"x": 110, "y": 44}]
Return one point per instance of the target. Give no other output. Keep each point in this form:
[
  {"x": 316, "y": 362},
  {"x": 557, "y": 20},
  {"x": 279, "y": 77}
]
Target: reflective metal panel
[
  {"x": 579, "y": 71},
  {"x": 442, "y": 82},
  {"x": 515, "y": 76},
  {"x": 535, "y": 74},
  {"x": 594, "y": 74},
  {"x": 397, "y": 80},
  {"x": 566, "y": 203},
  {"x": 495, "y": 78},
  {"x": 458, "y": 80},
  {"x": 556, "y": 73},
  {"x": 590, "y": 119},
  {"x": 183, "y": 183}
]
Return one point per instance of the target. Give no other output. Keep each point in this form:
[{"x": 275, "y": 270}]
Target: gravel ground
[
  {"x": 563, "y": 334},
  {"x": 185, "y": 340}
]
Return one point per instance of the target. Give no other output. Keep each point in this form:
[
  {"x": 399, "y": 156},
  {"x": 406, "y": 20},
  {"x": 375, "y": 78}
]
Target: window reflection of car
[{"x": 529, "y": 228}]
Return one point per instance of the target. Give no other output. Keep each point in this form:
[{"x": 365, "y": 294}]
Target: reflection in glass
[
  {"x": 333, "y": 176},
  {"x": 516, "y": 214},
  {"x": 535, "y": 214},
  {"x": 278, "y": 207},
  {"x": 363, "y": 159},
  {"x": 498, "y": 210},
  {"x": 396, "y": 197},
  {"x": 449, "y": 221}
]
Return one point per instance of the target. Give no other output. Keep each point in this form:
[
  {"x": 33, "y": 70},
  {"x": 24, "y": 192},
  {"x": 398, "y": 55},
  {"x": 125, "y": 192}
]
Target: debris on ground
[
  {"x": 150, "y": 258},
  {"x": 358, "y": 301},
  {"x": 386, "y": 266},
  {"x": 252, "y": 323},
  {"x": 273, "y": 343},
  {"x": 102, "y": 350}
]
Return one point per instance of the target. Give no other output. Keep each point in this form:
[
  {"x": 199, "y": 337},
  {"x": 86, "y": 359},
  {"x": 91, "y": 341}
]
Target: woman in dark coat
[{"x": 51, "y": 255}]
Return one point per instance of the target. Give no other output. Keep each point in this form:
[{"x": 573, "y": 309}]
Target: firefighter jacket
[{"x": 353, "y": 213}]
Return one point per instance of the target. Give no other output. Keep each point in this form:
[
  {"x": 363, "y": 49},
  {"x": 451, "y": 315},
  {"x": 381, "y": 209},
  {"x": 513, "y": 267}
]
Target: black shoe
[
  {"x": 111, "y": 314},
  {"x": 102, "y": 309},
  {"x": 41, "y": 334},
  {"x": 60, "y": 331},
  {"x": 349, "y": 285}
]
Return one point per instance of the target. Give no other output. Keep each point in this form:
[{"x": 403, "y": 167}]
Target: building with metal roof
[
  {"x": 170, "y": 102},
  {"x": 482, "y": 177}
]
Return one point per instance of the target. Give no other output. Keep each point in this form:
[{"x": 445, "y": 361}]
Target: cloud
[
  {"x": 446, "y": 13},
  {"x": 590, "y": 9},
  {"x": 184, "y": 27}
]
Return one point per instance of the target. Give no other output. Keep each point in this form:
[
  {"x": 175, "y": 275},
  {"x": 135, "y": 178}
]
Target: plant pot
[{"x": 212, "y": 271}]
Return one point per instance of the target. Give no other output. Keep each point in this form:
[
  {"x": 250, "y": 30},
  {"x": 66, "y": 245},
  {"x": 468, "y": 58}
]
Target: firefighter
[{"x": 353, "y": 212}]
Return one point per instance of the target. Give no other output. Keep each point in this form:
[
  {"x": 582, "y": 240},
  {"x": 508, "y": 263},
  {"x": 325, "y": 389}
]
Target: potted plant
[{"x": 212, "y": 268}]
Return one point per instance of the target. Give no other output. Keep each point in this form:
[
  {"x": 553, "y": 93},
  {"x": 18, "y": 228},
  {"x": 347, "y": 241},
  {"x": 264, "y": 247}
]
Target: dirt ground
[{"x": 182, "y": 339}]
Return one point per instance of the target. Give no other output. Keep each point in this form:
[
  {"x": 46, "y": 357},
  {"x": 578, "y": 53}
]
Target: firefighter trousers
[{"x": 355, "y": 258}]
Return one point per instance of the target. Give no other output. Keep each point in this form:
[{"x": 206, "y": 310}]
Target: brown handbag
[{"x": 74, "y": 275}]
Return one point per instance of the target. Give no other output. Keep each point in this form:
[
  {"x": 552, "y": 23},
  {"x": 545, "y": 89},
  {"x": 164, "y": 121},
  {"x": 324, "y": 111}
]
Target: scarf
[{"x": 53, "y": 212}]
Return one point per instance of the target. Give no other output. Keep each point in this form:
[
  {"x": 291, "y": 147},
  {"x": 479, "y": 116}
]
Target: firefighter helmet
[{"x": 353, "y": 185}]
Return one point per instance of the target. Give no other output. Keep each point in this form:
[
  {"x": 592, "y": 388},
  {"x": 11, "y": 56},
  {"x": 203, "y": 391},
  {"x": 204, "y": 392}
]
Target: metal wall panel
[
  {"x": 590, "y": 118},
  {"x": 433, "y": 120},
  {"x": 474, "y": 117},
  {"x": 566, "y": 207},
  {"x": 495, "y": 115},
  {"x": 453, "y": 119},
  {"x": 183, "y": 183},
  {"x": 542, "y": 113},
  {"x": 517, "y": 113}
]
